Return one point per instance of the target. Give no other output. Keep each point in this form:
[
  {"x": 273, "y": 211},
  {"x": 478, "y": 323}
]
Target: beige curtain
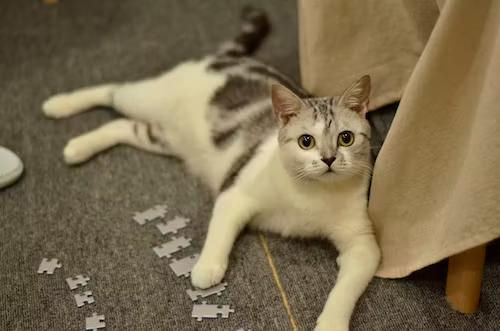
[
  {"x": 342, "y": 40},
  {"x": 436, "y": 183}
]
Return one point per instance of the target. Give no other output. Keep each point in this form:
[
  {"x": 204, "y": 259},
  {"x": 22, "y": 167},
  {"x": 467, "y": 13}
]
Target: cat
[{"x": 276, "y": 158}]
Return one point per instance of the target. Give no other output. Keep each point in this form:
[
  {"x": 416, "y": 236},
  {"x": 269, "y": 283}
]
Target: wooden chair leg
[{"x": 463, "y": 283}]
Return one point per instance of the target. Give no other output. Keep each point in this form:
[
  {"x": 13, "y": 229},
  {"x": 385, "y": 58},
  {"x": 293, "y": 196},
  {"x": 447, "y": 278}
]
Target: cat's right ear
[{"x": 285, "y": 103}]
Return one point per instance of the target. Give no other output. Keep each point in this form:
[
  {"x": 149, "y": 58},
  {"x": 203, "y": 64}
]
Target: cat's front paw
[
  {"x": 206, "y": 273},
  {"x": 327, "y": 323}
]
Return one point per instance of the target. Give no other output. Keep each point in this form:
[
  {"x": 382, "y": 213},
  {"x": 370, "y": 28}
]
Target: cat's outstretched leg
[
  {"x": 68, "y": 104},
  {"x": 232, "y": 210},
  {"x": 120, "y": 131},
  {"x": 358, "y": 260}
]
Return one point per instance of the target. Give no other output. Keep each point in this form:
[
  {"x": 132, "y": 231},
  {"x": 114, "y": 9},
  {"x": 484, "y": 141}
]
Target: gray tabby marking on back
[
  {"x": 254, "y": 130},
  {"x": 239, "y": 92}
]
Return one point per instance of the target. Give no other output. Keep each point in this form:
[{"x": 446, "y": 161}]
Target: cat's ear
[
  {"x": 356, "y": 96},
  {"x": 285, "y": 103}
]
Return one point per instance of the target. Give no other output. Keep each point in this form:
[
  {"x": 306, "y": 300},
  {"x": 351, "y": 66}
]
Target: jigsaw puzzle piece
[
  {"x": 94, "y": 322},
  {"x": 197, "y": 294},
  {"x": 48, "y": 266},
  {"x": 183, "y": 266},
  {"x": 150, "y": 214},
  {"x": 85, "y": 298},
  {"x": 78, "y": 280},
  {"x": 201, "y": 311},
  {"x": 174, "y": 245},
  {"x": 173, "y": 226}
]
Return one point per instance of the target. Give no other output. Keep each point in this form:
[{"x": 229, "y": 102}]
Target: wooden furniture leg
[{"x": 463, "y": 283}]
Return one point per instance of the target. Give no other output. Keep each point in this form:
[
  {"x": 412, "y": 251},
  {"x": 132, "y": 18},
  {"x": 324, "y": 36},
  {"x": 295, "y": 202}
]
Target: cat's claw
[
  {"x": 57, "y": 106},
  {"x": 207, "y": 274}
]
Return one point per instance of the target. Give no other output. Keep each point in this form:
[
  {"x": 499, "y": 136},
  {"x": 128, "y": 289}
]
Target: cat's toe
[
  {"x": 56, "y": 106},
  {"x": 74, "y": 153},
  {"x": 205, "y": 275}
]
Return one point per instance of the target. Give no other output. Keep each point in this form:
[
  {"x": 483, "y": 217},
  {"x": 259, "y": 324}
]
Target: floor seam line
[{"x": 277, "y": 281}]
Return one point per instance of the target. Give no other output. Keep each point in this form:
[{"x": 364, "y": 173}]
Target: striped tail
[{"x": 254, "y": 29}]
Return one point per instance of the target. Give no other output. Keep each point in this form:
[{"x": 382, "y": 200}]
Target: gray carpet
[{"x": 82, "y": 215}]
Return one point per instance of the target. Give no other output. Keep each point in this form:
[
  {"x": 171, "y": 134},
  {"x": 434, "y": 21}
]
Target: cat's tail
[{"x": 255, "y": 27}]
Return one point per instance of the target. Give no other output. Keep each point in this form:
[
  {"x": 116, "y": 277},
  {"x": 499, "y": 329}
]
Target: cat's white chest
[{"x": 295, "y": 215}]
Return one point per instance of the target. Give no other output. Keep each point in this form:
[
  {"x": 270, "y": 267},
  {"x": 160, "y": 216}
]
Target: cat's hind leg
[
  {"x": 120, "y": 131},
  {"x": 71, "y": 103}
]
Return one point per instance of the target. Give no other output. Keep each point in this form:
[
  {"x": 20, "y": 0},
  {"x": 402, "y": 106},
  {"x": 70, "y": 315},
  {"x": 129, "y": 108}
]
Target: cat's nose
[{"x": 328, "y": 160}]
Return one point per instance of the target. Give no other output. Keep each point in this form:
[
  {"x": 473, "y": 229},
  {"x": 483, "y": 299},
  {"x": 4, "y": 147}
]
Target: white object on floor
[
  {"x": 78, "y": 280},
  {"x": 173, "y": 226},
  {"x": 171, "y": 247},
  {"x": 48, "y": 266},
  {"x": 150, "y": 214},
  {"x": 183, "y": 266},
  {"x": 84, "y": 298},
  {"x": 197, "y": 293},
  {"x": 203, "y": 310},
  {"x": 94, "y": 322},
  {"x": 11, "y": 167}
]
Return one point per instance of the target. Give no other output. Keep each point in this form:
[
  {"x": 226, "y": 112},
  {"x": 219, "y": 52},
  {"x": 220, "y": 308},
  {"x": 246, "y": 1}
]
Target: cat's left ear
[{"x": 356, "y": 96}]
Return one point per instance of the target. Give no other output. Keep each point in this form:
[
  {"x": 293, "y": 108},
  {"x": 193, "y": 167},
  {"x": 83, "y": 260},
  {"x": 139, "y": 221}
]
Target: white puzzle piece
[
  {"x": 201, "y": 311},
  {"x": 150, "y": 214},
  {"x": 183, "y": 266},
  {"x": 94, "y": 322},
  {"x": 197, "y": 294},
  {"x": 174, "y": 245},
  {"x": 77, "y": 281},
  {"x": 173, "y": 226},
  {"x": 48, "y": 266},
  {"x": 85, "y": 298}
]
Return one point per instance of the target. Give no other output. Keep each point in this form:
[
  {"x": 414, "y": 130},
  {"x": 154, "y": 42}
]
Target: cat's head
[{"x": 325, "y": 139}]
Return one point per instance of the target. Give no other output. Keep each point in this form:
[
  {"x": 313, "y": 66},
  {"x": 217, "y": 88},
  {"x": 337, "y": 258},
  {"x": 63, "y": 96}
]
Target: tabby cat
[{"x": 276, "y": 158}]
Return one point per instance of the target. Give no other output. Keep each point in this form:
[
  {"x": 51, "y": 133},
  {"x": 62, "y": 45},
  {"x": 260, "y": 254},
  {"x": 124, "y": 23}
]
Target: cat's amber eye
[
  {"x": 346, "y": 138},
  {"x": 306, "y": 141}
]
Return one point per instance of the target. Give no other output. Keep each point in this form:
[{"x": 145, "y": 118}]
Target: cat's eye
[
  {"x": 306, "y": 141},
  {"x": 346, "y": 138}
]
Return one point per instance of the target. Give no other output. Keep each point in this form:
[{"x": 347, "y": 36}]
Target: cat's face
[{"x": 324, "y": 139}]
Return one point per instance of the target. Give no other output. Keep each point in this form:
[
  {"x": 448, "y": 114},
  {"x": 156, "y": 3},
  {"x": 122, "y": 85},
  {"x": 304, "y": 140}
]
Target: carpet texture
[{"x": 82, "y": 215}]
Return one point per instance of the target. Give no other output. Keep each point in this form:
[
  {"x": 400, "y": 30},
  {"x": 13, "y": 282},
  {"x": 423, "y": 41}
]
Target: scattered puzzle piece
[
  {"x": 48, "y": 266},
  {"x": 174, "y": 245},
  {"x": 183, "y": 266},
  {"x": 197, "y": 294},
  {"x": 94, "y": 322},
  {"x": 173, "y": 226},
  {"x": 85, "y": 298},
  {"x": 78, "y": 280},
  {"x": 203, "y": 310},
  {"x": 150, "y": 214}
]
